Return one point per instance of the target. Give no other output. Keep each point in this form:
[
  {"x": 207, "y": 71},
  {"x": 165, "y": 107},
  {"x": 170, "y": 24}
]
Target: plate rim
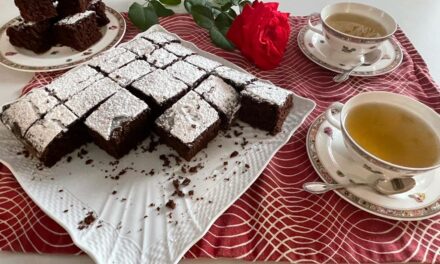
[{"x": 24, "y": 68}]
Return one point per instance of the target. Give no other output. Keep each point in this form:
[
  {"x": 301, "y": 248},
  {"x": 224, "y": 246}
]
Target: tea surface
[
  {"x": 394, "y": 135},
  {"x": 356, "y": 25}
]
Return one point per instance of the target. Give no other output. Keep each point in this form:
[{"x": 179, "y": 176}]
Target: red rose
[{"x": 261, "y": 33}]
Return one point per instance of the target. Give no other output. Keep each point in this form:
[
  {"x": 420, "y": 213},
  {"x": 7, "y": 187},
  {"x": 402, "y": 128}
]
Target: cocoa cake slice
[{"x": 34, "y": 36}]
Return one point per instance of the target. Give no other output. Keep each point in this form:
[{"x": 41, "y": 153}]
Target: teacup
[
  {"x": 352, "y": 46},
  {"x": 381, "y": 168}
]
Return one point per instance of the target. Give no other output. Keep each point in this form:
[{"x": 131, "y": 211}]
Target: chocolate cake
[
  {"x": 265, "y": 106},
  {"x": 161, "y": 58},
  {"x": 35, "y": 36},
  {"x": 186, "y": 72},
  {"x": 119, "y": 123},
  {"x": 203, "y": 63},
  {"x": 159, "y": 38},
  {"x": 71, "y": 7},
  {"x": 79, "y": 31},
  {"x": 234, "y": 77},
  {"x": 222, "y": 97},
  {"x": 131, "y": 72},
  {"x": 188, "y": 125},
  {"x": 36, "y": 10},
  {"x": 99, "y": 7},
  {"x": 159, "y": 89},
  {"x": 54, "y": 136},
  {"x": 179, "y": 50},
  {"x": 112, "y": 60},
  {"x": 139, "y": 46}
]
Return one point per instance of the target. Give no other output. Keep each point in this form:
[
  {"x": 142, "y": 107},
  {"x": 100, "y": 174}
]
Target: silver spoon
[
  {"x": 368, "y": 59},
  {"x": 387, "y": 187}
]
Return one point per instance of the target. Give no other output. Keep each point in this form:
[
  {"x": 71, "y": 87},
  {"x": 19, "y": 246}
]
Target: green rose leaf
[
  {"x": 231, "y": 13},
  {"x": 202, "y": 16},
  {"x": 171, "y": 2},
  {"x": 142, "y": 17},
  {"x": 190, "y": 3},
  {"x": 235, "y": 2},
  {"x": 242, "y": 4},
  {"x": 223, "y": 23},
  {"x": 219, "y": 39},
  {"x": 161, "y": 11}
]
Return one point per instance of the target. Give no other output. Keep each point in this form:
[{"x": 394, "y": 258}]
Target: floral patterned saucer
[
  {"x": 333, "y": 164},
  {"x": 314, "y": 46},
  {"x": 59, "y": 57}
]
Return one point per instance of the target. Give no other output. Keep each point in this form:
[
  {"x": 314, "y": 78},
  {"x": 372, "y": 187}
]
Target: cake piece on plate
[
  {"x": 90, "y": 98},
  {"x": 179, "y": 50},
  {"x": 36, "y": 10},
  {"x": 19, "y": 115},
  {"x": 234, "y": 77},
  {"x": 54, "y": 136},
  {"x": 131, "y": 72},
  {"x": 186, "y": 72},
  {"x": 265, "y": 106},
  {"x": 71, "y": 7},
  {"x": 159, "y": 89},
  {"x": 161, "y": 58},
  {"x": 35, "y": 36},
  {"x": 188, "y": 125},
  {"x": 79, "y": 31},
  {"x": 73, "y": 82},
  {"x": 222, "y": 97},
  {"x": 119, "y": 123},
  {"x": 112, "y": 60},
  {"x": 203, "y": 63},
  {"x": 99, "y": 7},
  {"x": 159, "y": 38},
  {"x": 139, "y": 46}
]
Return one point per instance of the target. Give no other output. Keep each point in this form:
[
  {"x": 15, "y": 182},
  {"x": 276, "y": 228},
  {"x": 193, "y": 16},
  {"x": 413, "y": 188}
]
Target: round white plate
[
  {"x": 59, "y": 57},
  {"x": 315, "y": 47},
  {"x": 333, "y": 164}
]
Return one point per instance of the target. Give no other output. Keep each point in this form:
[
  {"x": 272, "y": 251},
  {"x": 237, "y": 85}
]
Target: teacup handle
[
  {"x": 313, "y": 27},
  {"x": 330, "y": 116}
]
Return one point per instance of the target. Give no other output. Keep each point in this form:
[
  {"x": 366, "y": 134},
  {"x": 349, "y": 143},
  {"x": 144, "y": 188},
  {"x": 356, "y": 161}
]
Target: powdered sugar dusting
[
  {"x": 139, "y": 46},
  {"x": 237, "y": 78},
  {"x": 62, "y": 115},
  {"x": 131, "y": 72},
  {"x": 159, "y": 38},
  {"x": 203, "y": 63},
  {"x": 161, "y": 58},
  {"x": 41, "y": 100},
  {"x": 266, "y": 92},
  {"x": 75, "y": 18},
  {"x": 112, "y": 59},
  {"x": 42, "y": 133},
  {"x": 186, "y": 72},
  {"x": 179, "y": 49}
]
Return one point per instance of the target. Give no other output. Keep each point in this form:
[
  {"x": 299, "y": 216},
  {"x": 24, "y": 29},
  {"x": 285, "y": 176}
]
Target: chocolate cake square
[
  {"x": 99, "y": 7},
  {"x": 159, "y": 38},
  {"x": 119, "y": 123},
  {"x": 71, "y": 7},
  {"x": 234, "y": 77},
  {"x": 186, "y": 72},
  {"x": 79, "y": 31},
  {"x": 139, "y": 46},
  {"x": 73, "y": 82},
  {"x": 222, "y": 97},
  {"x": 188, "y": 125},
  {"x": 159, "y": 89},
  {"x": 36, "y": 10},
  {"x": 54, "y": 136},
  {"x": 112, "y": 60},
  {"x": 161, "y": 58},
  {"x": 265, "y": 106},
  {"x": 19, "y": 115},
  {"x": 35, "y": 36},
  {"x": 203, "y": 63},
  {"x": 131, "y": 72},
  {"x": 179, "y": 50},
  {"x": 90, "y": 98}
]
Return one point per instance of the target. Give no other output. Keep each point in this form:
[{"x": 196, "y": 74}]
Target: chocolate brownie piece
[
  {"x": 99, "y": 7},
  {"x": 119, "y": 123},
  {"x": 161, "y": 58},
  {"x": 139, "y": 46},
  {"x": 188, "y": 125},
  {"x": 79, "y": 31},
  {"x": 71, "y": 7},
  {"x": 159, "y": 89},
  {"x": 186, "y": 72},
  {"x": 159, "y": 38},
  {"x": 131, "y": 72},
  {"x": 203, "y": 63},
  {"x": 265, "y": 106},
  {"x": 36, "y": 10},
  {"x": 54, "y": 136},
  {"x": 35, "y": 36},
  {"x": 19, "y": 115},
  {"x": 222, "y": 97},
  {"x": 90, "y": 98},
  {"x": 179, "y": 50},
  {"x": 112, "y": 60},
  {"x": 234, "y": 77},
  {"x": 73, "y": 82}
]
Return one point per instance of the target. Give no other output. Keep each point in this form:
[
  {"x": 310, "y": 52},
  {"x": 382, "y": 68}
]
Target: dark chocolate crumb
[
  {"x": 170, "y": 204},
  {"x": 65, "y": 211},
  {"x": 186, "y": 182},
  {"x": 87, "y": 221},
  {"x": 234, "y": 154},
  {"x": 191, "y": 193},
  {"x": 89, "y": 161},
  {"x": 114, "y": 192},
  {"x": 69, "y": 159}
]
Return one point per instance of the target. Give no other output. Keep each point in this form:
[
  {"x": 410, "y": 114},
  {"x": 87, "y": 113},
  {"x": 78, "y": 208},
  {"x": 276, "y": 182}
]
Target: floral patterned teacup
[
  {"x": 381, "y": 168},
  {"x": 351, "y": 46}
]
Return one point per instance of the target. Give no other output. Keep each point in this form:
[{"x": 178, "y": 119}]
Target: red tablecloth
[{"x": 274, "y": 219}]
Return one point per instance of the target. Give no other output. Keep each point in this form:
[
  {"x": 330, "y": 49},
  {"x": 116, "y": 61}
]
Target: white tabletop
[{"x": 419, "y": 20}]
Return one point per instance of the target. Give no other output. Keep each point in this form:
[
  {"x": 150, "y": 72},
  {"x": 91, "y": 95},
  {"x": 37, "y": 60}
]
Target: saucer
[
  {"x": 315, "y": 47},
  {"x": 334, "y": 164}
]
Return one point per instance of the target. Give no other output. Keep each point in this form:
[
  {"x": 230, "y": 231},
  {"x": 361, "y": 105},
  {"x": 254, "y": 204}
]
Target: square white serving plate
[{"x": 125, "y": 226}]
